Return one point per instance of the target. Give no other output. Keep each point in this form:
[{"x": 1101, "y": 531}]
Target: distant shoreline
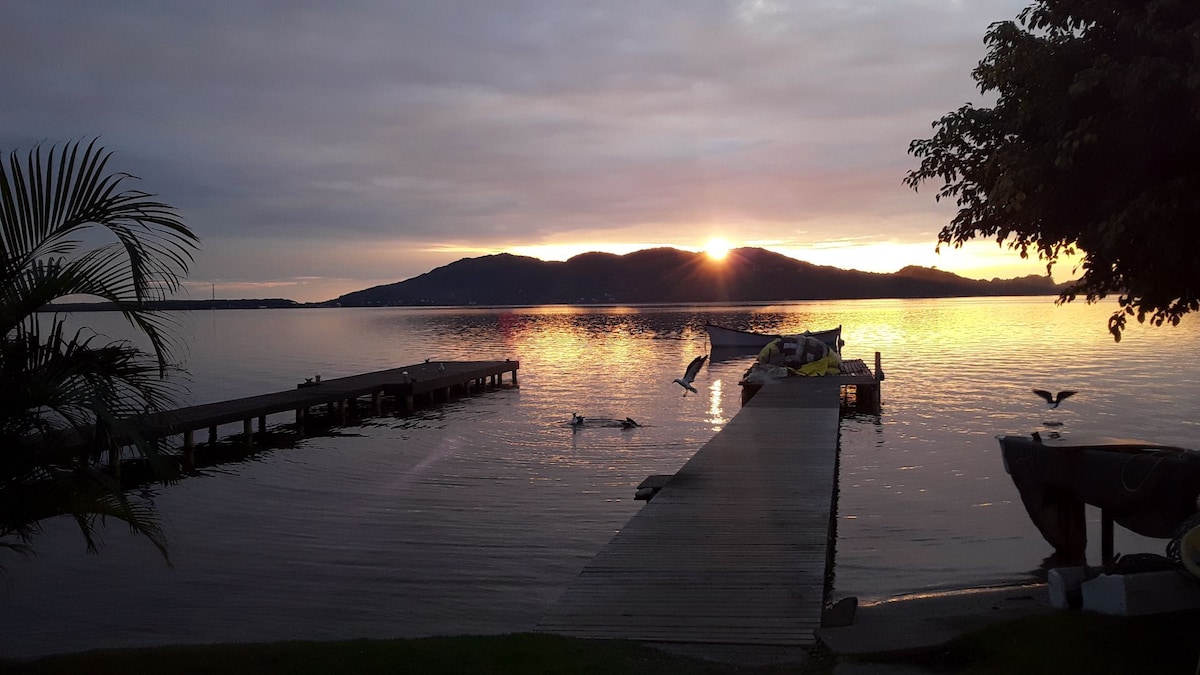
[{"x": 280, "y": 303}]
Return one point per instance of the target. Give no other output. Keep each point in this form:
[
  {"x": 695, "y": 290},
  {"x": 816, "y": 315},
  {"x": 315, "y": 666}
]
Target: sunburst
[{"x": 716, "y": 248}]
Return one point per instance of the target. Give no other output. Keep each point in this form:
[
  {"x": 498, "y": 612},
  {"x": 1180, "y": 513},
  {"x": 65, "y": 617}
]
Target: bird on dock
[
  {"x": 692, "y": 370},
  {"x": 629, "y": 423},
  {"x": 1052, "y": 399}
]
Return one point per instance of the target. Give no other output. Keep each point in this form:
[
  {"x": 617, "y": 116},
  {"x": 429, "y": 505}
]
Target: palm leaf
[{"x": 58, "y": 389}]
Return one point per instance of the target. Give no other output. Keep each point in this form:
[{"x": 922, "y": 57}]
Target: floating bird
[
  {"x": 629, "y": 423},
  {"x": 576, "y": 420},
  {"x": 692, "y": 369},
  {"x": 1051, "y": 399},
  {"x": 441, "y": 367}
]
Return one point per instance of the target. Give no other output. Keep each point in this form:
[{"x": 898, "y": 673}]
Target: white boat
[{"x": 720, "y": 337}]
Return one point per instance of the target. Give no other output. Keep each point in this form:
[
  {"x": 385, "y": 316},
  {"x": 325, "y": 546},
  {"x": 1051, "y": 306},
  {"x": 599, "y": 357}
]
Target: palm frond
[{"x": 62, "y": 393}]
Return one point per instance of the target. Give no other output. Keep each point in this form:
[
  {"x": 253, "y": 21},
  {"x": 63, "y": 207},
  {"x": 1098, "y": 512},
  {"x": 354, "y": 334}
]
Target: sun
[{"x": 716, "y": 248}]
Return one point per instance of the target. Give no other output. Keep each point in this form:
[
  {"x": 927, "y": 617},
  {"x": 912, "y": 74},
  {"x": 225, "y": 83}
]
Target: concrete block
[
  {"x": 1064, "y": 584},
  {"x": 1140, "y": 594}
]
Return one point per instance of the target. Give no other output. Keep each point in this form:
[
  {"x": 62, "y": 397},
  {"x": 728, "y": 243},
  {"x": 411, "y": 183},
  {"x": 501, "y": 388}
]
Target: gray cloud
[{"x": 292, "y": 128}]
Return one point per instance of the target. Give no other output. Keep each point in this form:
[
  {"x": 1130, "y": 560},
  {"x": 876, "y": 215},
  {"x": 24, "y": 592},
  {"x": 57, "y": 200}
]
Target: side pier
[
  {"x": 405, "y": 384},
  {"x": 734, "y": 548}
]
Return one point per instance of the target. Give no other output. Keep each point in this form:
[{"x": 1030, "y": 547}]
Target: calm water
[{"x": 473, "y": 517}]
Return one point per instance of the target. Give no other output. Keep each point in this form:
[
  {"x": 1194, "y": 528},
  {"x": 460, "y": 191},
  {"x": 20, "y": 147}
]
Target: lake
[{"x": 473, "y": 516}]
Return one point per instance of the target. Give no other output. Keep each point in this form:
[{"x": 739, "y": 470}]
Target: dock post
[
  {"x": 377, "y": 403},
  {"x": 300, "y": 418},
  {"x": 514, "y": 376},
  {"x": 248, "y": 432},
  {"x": 189, "y": 450},
  {"x": 212, "y": 435},
  {"x": 262, "y": 424},
  {"x": 878, "y": 367}
]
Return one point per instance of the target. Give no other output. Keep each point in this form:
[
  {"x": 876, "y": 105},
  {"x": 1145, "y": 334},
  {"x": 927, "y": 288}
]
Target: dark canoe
[{"x": 1144, "y": 487}]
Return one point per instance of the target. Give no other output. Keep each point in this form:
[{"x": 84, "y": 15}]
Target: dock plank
[{"x": 733, "y": 548}]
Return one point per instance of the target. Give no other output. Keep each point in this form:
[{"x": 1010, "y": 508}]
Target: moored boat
[{"x": 721, "y": 337}]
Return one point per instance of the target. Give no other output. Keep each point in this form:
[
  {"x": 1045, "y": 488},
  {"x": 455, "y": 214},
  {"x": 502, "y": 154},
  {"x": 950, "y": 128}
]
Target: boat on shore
[
  {"x": 721, "y": 337},
  {"x": 1146, "y": 488}
]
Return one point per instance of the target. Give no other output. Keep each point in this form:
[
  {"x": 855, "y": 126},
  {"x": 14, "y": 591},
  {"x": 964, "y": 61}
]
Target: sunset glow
[
  {"x": 717, "y": 248},
  {"x": 611, "y": 151}
]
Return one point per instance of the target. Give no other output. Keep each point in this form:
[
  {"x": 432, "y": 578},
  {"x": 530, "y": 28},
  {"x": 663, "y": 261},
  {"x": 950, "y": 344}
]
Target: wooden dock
[
  {"x": 733, "y": 549},
  {"x": 434, "y": 380}
]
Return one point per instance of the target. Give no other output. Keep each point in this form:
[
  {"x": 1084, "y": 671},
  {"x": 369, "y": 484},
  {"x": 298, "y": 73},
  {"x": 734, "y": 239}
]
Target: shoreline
[{"x": 919, "y": 622}]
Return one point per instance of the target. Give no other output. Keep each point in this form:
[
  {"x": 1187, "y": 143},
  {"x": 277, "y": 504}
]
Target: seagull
[
  {"x": 629, "y": 423},
  {"x": 1051, "y": 399},
  {"x": 576, "y": 420},
  {"x": 692, "y": 369}
]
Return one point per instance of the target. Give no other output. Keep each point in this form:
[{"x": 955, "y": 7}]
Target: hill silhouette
[{"x": 668, "y": 275}]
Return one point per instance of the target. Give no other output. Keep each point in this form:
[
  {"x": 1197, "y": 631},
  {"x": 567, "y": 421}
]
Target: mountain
[{"x": 667, "y": 275}]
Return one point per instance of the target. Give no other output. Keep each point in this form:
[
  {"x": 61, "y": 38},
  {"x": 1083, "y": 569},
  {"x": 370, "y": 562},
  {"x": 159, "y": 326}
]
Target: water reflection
[{"x": 472, "y": 519}]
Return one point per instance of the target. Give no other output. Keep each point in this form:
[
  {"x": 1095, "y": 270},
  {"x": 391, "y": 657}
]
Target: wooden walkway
[
  {"x": 733, "y": 549},
  {"x": 405, "y": 384}
]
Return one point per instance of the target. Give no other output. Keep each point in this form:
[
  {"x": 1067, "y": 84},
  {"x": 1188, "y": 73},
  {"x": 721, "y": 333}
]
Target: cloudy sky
[{"x": 321, "y": 147}]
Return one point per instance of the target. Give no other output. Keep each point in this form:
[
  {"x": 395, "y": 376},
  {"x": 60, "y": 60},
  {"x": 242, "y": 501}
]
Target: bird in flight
[
  {"x": 1052, "y": 399},
  {"x": 692, "y": 369}
]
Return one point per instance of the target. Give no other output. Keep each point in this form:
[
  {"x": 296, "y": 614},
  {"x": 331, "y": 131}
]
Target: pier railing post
[{"x": 189, "y": 450}]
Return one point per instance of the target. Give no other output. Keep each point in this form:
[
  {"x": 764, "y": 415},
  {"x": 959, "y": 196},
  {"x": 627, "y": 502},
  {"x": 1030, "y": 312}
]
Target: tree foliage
[
  {"x": 68, "y": 228},
  {"x": 1092, "y": 146}
]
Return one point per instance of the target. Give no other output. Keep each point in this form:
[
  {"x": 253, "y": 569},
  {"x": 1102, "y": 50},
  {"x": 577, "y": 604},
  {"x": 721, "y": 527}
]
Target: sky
[{"x": 319, "y": 148}]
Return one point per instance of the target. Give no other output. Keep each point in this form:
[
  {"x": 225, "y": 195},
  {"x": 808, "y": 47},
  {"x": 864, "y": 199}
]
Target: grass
[
  {"x": 1062, "y": 643},
  {"x": 1073, "y": 643},
  {"x": 521, "y": 653}
]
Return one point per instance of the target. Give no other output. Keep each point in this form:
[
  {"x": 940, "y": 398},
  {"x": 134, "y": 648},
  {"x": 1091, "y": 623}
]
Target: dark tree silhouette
[{"x": 1092, "y": 146}]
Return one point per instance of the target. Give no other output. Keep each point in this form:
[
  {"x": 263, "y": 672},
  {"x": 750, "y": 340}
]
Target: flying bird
[
  {"x": 1052, "y": 399},
  {"x": 692, "y": 369}
]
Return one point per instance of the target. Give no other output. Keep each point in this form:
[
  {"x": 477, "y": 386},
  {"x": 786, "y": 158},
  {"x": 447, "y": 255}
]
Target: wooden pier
[
  {"x": 734, "y": 547},
  {"x": 432, "y": 379}
]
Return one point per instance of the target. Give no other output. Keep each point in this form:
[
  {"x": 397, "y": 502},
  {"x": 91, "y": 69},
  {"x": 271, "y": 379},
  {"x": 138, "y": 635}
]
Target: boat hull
[
  {"x": 721, "y": 337},
  {"x": 1143, "y": 487}
]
